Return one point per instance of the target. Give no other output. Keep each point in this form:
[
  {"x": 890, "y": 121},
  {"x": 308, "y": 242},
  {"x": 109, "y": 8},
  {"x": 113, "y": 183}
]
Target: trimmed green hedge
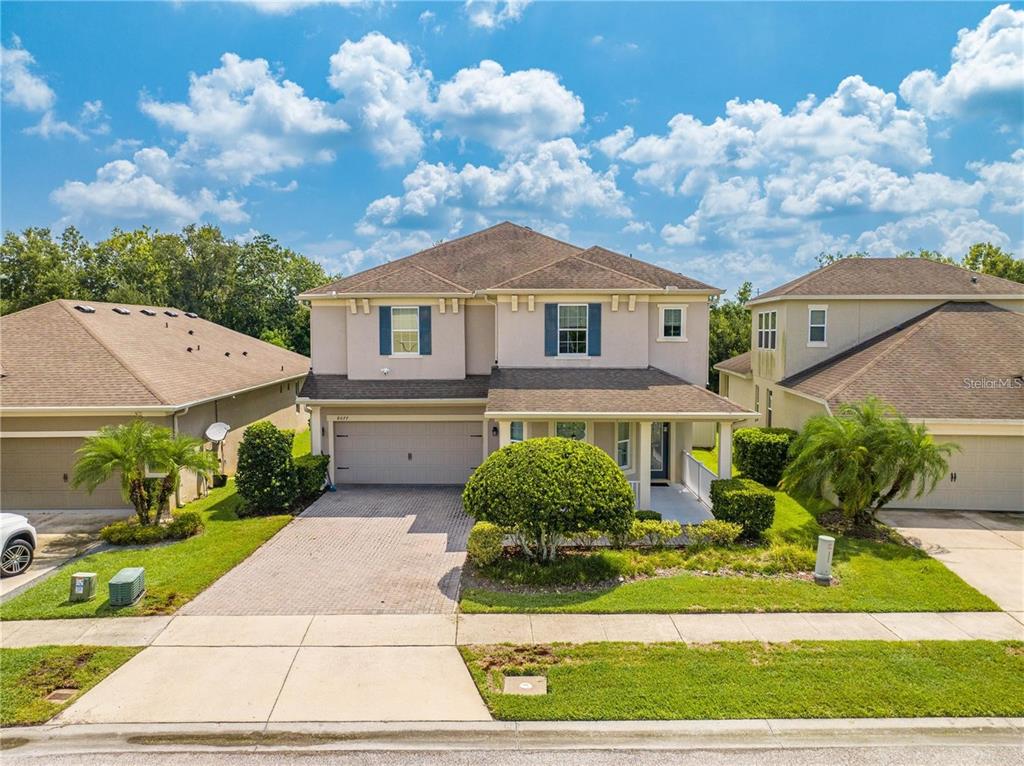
[
  {"x": 184, "y": 524},
  {"x": 762, "y": 454},
  {"x": 744, "y": 502},
  {"x": 266, "y": 475},
  {"x": 310, "y": 473}
]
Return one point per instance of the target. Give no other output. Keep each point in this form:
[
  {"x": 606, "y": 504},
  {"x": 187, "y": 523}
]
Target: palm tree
[
  {"x": 181, "y": 452},
  {"x": 128, "y": 449},
  {"x": 867, "y": 455}
]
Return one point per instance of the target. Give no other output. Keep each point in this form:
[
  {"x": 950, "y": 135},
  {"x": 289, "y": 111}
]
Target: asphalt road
[{"x": 933, "y": 755}]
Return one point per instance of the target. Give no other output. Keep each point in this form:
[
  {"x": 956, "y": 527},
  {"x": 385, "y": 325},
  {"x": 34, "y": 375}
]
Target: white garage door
[
  {"x": 986, "y": 475},
  {"x": 408, "y": 452}
]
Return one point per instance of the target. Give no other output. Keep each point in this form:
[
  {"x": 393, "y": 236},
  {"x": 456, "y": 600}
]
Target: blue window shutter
[
  {"x": 594, "y": 329},
  {"x": 550, "y": 329},
  {"x": 385, "y": 330},
  {"x": 424, "y": 330}
]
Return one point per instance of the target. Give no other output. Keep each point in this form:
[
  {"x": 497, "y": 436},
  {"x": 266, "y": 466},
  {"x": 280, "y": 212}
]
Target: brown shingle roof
[
  {"x": 57, "y": 356},
  {"x": 504, "y": 254},
  {"x": 339, "y": 387},
  {"x": 893, "y": 276},
  {"x": 740, "y": 364},
  {"x": 597, "y": 390},
  {"x": 924, "y": 367}
]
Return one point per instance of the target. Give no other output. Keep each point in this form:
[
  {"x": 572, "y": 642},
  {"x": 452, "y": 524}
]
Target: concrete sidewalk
[{"x": 452, "y": 630}]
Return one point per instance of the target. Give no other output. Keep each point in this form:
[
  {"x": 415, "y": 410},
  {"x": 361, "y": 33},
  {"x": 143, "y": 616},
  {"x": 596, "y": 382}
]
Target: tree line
[{"x": 251, "y": 287}]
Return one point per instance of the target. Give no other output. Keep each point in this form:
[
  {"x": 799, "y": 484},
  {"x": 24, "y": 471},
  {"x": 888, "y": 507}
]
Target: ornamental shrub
[
  {"x": 546, "y": 490},
  {"x": 310, "y": 473},
  {"x": 184, "y": 524},
  {"x": 486, "y": 543},
  {"x": 762, "y": 454},
  {"x": 648, "y": 516},
  {"x": 266, "y": 476},
  {"x": 654, "y": 534},
  {"x": 745, "y": 502},
  {"x": 713, "y": 532}
]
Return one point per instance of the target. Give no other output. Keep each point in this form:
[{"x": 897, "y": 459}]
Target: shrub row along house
[
  {"x": 943, "y": 345},
  {"x": 69, "y": 368},
  {"x": 424, "y": 365}
]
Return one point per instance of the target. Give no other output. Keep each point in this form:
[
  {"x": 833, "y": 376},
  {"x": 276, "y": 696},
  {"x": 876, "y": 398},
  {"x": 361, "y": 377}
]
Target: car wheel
[{"x": 16, "y": 558}]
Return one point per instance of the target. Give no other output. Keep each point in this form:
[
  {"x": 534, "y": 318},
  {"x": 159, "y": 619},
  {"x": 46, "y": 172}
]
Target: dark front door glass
[{"x": 659, "y": 450}]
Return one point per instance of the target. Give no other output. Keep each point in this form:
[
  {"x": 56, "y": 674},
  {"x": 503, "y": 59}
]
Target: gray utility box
[
  {"x": 83, "y": 586},
  {"x": 127, "y": 586}
]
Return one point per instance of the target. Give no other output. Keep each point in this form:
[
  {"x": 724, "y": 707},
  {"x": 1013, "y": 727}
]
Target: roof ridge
[
  {"x": 912, "y": 326},
  {"x": 63, "y": 303},
  {"x": 795, "y": 283},
  {"x": 614, "y": 270},
  {"x": 534, "y": 270}
]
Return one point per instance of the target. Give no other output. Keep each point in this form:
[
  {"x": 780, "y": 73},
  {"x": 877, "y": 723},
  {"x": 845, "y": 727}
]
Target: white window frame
[
  {"x": 767, "y": 330},
  {"x": 823, "y": 325},
  {"x": 629, "y": 445},
  {"x": 393, "y": 346},
  {"x": 522, "y": 431},
  {"x": 583, "y": 438},
  {"x": 586, "y": 332},
  {"x": 681, "y": 308}
]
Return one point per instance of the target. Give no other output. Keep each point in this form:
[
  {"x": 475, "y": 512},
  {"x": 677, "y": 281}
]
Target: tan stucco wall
[
  {"x": 689, "y": 359},
  {"x": 328, "y": 339},
  {"x": 741, "y": 391},
  {"x": 447, "y": 359},
  {"x": 479, "y": 339}
]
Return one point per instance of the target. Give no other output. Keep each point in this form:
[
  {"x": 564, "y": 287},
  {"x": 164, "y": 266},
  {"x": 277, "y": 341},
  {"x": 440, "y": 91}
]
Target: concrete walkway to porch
[{"x": 452, "y": 630}]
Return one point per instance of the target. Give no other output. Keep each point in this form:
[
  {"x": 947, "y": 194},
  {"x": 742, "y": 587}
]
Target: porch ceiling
[{"x": 603, "y": 392}]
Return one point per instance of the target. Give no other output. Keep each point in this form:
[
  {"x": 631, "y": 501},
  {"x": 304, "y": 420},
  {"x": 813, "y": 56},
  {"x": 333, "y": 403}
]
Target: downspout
[
  {"x": 174, "y": 430},
  {"x": 495, "y": 304}
]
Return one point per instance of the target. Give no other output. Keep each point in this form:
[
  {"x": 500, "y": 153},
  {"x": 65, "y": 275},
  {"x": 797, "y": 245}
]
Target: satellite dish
[{"x": 217, "y": 432}]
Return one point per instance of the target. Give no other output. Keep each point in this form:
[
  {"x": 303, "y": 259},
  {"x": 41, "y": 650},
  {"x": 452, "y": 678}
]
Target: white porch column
[
  {"x": 724, "y": 449},
  {"x": 685, "y": 445},
  {"x": 331, "y": 443},
  {"x": 315, "y": 433},
  {"x": 504, "y": 433},
  {"x": 643, "y": 465}
]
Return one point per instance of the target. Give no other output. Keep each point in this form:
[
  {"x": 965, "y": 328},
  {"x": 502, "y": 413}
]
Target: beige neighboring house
[
  {"x": 944, "y": 345},
  {"x": 423, "y": 366},
  {"x": 70, "y": 367}
]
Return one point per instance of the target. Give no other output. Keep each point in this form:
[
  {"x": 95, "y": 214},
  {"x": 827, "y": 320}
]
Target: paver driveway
[{"x": 360, "y": 550}]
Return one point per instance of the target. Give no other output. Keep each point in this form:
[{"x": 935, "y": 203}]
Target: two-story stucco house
[
  {"x": 942, "y": 344},
  {"x": 424, "y": 365}
]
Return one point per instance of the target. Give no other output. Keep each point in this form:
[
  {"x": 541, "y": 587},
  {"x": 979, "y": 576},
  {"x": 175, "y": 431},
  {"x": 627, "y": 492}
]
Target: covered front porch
[{"x": 644, "y": 419}]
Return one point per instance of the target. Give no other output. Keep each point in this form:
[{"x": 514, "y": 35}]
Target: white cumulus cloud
[
  {"x": 950, "y": 232},
  {"x": 22, "y": 87},
  {"x": 491, "y": 14},
  {"x": 242, "y": 121},
  {"x": 986, "y": 72},
  {"x": 1004, "y": 182}
]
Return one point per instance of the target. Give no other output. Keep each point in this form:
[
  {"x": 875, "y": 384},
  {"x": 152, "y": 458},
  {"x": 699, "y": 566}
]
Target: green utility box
[
  {"x": 127, "y": 586},
  {"x": 83, "y": 586}
]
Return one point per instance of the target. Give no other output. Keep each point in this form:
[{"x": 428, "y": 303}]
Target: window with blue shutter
[
  {"x": 594, "y": 329},
  {"x": 385, "y": 330},
  {"x": 550, "y": 329},
  {"x": 424, "y": 330}
]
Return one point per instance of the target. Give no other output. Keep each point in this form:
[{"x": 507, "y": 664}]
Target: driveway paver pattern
[{"x": 360, "y": 550}]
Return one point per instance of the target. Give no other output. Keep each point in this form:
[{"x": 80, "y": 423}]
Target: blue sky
[{"x": 728, "y": 141}]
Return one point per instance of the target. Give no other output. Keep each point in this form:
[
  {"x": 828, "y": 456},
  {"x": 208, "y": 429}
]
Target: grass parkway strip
[{"x": 803, "y": 679}]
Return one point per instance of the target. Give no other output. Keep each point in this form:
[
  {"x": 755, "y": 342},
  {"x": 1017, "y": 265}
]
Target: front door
[{"x": 659, "y": 451}]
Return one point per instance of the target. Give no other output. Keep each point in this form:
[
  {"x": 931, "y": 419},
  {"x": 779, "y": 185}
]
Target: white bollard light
[{"x": 823, "y": 566}]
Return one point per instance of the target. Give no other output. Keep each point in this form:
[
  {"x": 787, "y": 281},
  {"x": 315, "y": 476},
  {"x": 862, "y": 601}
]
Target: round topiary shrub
[
  {"x": 545, "y": 490},
  {"x": 486, "y": 543},
  {"x": 266, "y": 476}
]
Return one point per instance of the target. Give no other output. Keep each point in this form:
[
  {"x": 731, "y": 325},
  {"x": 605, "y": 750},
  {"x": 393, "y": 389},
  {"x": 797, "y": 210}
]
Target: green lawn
[
  {"x": 31, "y": 674},
  {"x": 873, "y": 577},
  {"x": 302, "y": 445},
  {"x": 175, "y": 572},
  {"x": 805, "y": 679}
]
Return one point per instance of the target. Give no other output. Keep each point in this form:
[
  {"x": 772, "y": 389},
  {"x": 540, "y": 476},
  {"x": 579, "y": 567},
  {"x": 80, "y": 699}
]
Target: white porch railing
[{"x": 698, "y": 478}]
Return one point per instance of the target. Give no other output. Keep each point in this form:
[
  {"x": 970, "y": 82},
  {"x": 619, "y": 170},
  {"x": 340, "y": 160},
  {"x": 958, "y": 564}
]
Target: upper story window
[
  {"x": 405, "y": 330},
  {"x": 623, "y": 448},
  {"x": 673, "y": 323},
  {"x": 572, "y": 329},
  {"x": 817, "y": 325},
  {"x": 766, "y": 329},
  {"x": 516, "y": 431}
]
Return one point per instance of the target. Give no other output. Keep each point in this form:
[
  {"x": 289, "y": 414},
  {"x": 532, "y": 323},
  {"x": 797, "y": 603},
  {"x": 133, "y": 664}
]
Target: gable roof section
[
  {"x": 507, "y": 256},
  {"x": 57, "y": 356},
  {"x": 893, "y": 277},
  {"x": 924, "y": 367},
  {"x": 739, "y": 364}
]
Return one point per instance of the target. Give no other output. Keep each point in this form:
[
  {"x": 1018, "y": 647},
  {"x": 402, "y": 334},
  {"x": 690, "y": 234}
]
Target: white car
[{"x": 18, "y": 543}]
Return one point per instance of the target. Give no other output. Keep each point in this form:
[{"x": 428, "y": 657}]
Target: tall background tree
[
  {"x": 251, "y": 287},
  {"x": 729, "y": 330}
]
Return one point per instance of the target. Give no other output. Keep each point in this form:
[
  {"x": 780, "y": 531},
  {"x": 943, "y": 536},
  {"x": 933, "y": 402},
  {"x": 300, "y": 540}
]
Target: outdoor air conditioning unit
[{"x": 127, "y": 586}]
